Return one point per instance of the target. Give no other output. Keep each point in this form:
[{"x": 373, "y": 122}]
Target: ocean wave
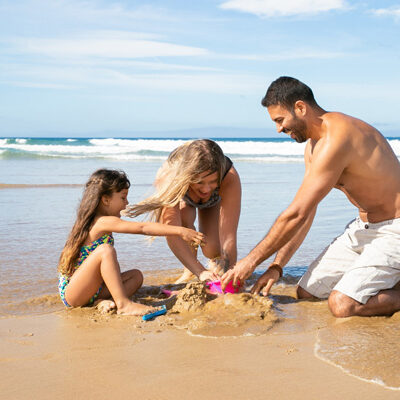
[{"x": 258, "y": 150}]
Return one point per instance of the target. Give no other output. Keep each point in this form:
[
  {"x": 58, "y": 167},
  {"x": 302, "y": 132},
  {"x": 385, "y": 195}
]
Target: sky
[{"x": 108, "y": 68}]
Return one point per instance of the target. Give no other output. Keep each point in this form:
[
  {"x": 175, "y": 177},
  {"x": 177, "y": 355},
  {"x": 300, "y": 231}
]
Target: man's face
[{"x": 287, "y": 122}]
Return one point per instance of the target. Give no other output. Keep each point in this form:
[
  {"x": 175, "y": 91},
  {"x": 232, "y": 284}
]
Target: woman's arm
[{"x": 231, "y": 194}]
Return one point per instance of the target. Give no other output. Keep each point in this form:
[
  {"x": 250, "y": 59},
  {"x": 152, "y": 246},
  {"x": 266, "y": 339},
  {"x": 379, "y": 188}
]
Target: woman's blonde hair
[
  {"x": 103, "y": 182},
  {"x": 182, "y": 168}
]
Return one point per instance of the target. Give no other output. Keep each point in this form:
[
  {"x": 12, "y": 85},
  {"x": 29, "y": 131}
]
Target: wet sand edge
[{"x": 38, "y": 185}]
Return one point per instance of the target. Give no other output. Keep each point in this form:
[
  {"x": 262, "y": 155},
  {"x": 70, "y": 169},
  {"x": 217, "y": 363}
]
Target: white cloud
[
  {"x": 39, "y": 85},
  {"x": 295, "y": 54},
  {"x": 71, "y": 12},
  {"x": 270, "y": 8},
  {"x": 82, "y": 78},
  {"x": 104, "y": 47},
  {"x": 390, "y": 12}
]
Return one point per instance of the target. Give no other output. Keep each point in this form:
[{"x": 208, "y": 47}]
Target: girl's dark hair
[
  {"x": 103, "y": 182},
  {"x": 285, "y": 91}
]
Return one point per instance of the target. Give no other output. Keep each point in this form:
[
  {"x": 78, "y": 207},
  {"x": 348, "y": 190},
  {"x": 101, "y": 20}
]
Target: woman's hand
[
  {"x": 194, "y": 238},
  {"x": 208, "y": 276}
]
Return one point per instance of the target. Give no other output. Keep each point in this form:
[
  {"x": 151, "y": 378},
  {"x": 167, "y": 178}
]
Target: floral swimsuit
[{"x": 63, "y": 280}]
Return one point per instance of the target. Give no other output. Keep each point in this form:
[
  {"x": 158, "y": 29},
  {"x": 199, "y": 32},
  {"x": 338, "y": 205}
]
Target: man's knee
[
  {"x": 340, "y": 305},
  {"x": 303, "y": 294}
]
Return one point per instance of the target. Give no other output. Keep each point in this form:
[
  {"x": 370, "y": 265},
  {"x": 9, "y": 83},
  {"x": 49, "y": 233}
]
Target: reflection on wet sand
[{"x": 368, "y": 348}]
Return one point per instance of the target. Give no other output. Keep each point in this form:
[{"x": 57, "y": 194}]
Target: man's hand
[
  {"x": 266, "y": 280},
  {"x": 239, "y": 273}
]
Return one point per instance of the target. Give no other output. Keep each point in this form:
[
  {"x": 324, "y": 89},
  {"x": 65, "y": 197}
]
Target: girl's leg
[
  {"x": 132, "y": 281},
  {"x": 188, "y": 216},
  {"x": 102, "y": 266}
]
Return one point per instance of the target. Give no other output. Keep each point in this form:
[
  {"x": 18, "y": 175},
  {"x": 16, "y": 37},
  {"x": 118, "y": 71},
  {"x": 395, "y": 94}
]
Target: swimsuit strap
[{"x": 228, "y": 164}]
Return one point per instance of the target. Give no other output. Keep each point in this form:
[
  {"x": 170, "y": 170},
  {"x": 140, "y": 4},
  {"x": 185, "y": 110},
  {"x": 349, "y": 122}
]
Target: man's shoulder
[
  {"x": 338, "y": 127},
  {"x": 335, "y": 119}
]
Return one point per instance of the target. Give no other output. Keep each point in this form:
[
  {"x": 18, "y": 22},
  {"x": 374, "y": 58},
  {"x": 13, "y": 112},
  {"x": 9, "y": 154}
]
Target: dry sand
[{"x": 82, "y": 354}]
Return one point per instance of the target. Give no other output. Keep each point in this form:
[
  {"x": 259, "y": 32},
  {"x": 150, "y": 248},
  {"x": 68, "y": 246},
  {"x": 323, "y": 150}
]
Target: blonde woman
[{"x": 198, "y": 180}]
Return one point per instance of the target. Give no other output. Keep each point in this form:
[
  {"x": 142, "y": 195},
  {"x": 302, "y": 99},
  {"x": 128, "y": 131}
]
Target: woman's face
[{"x": 202, "y": 190}]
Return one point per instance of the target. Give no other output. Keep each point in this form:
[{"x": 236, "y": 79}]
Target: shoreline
[
  {"x": 38, "y": 185},
  {"x": 88, "y": 356}
]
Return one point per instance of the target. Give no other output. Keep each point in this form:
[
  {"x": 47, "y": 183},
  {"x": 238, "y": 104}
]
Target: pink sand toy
[{"x": 215, "y": 287}]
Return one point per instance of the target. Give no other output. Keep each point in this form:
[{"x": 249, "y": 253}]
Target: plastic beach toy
[
  {"x": 169, "y": 293},
  {"x": 215, "y": 287},
  {"x": 161, "y": 311}
]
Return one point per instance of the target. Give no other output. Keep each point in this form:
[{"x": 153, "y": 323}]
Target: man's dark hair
[{"x": 285, "y": 91}]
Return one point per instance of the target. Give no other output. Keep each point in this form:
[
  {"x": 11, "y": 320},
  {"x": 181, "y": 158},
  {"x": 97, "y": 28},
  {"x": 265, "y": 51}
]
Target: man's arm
[
  {"x": 331, "y": 155},
  {"x": 274, "y": 271}
]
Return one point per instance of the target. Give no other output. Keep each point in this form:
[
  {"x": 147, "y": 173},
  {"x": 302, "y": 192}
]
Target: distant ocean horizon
[{"x": 266, "y": 150}]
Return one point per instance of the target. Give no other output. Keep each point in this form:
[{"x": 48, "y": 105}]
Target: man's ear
[{"x": 300, "y": 108}]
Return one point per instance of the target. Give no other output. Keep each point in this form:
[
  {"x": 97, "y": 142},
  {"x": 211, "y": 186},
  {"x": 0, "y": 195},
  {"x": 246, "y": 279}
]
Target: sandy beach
[
  {"x": 61, "y": 356},
  {"x": 84, "y": 354}
]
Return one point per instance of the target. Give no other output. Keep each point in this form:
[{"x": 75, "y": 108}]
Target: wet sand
[
  {"x": 230, "y": 347},
  {"x": 38, "y": 185},
  {"x": 68, "y": 356}
]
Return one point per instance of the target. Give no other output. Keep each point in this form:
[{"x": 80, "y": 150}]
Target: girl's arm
[
  {"x": 182, "y": 251},
  {"x": 231, "y": 194},
  {"x": 118, "y": 225}
]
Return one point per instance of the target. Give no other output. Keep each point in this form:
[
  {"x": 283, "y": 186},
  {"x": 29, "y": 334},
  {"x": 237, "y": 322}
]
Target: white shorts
[{"x": 361, "y": 262}]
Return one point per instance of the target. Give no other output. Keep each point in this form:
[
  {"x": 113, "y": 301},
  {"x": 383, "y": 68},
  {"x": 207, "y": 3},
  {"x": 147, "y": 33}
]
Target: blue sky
[{"x": 81, "y": 68}]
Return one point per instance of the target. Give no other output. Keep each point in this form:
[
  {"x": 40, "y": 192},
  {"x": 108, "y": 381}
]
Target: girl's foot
[
  {"x": 105, "y": 306},
  {"x": 136, "y": 309}
]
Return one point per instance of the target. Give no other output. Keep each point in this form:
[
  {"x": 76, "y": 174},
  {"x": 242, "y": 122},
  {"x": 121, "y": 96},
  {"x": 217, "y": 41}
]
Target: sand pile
[
  {"x": 192, "y": 298},
  {"x": 203, "y": 314}
]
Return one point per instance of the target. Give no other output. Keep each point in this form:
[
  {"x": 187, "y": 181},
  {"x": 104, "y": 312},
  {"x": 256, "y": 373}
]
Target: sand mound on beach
[
  {"x": 192, "y": 298},
  {"x": 240, "y": 314},
  {"x": 201, "y": 313}
]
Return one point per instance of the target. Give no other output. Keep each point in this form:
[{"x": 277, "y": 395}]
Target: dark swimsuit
[{"x": 215, "y": 198}]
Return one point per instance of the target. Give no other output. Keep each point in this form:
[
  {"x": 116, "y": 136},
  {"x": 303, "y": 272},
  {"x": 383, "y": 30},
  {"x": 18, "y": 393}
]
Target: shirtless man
[{"x": 359, "y": 271}]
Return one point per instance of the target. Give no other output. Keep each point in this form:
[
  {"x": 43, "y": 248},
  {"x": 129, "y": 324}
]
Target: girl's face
[
  {"x": 202, "y": 190},
  {"x": 116, "y": 202}
]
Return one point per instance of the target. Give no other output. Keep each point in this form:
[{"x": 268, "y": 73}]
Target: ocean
[{"x": 40, "y": 186}]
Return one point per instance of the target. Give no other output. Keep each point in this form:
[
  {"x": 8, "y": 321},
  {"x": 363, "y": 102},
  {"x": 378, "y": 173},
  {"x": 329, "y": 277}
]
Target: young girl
[
  {"x": 198, "y": 180},
  {"x": 88, "y": 265}
]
